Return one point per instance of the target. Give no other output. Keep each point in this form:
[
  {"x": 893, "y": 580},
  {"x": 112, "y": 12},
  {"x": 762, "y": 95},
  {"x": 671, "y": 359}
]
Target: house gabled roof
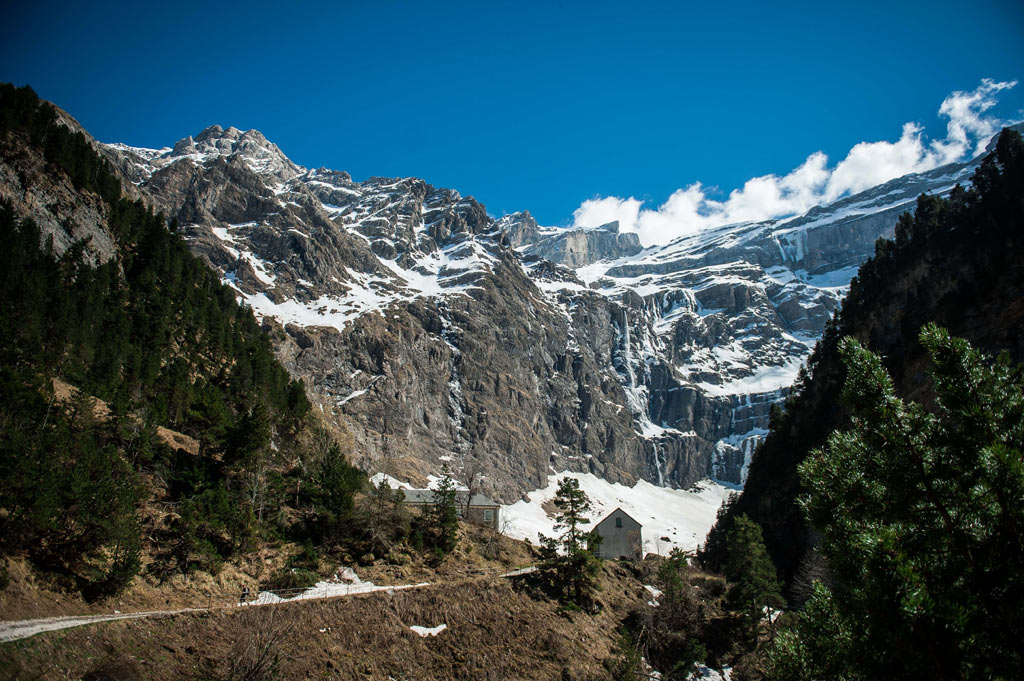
[{"x": 618, "y": 511}]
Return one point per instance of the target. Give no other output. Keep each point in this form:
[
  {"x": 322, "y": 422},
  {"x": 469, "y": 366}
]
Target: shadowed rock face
[{"x": 428, "y": 329}]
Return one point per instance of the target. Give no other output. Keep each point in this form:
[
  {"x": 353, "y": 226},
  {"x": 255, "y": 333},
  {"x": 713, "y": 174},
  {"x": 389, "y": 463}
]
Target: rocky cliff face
[{"x": 434, "y": 332}]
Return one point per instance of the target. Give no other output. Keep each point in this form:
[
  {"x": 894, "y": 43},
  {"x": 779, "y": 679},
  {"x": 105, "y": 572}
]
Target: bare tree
[
  {"x": 470, "y": 474},
  {"x": 261, "y": 643},
  {"x": 385, "y": 516}
]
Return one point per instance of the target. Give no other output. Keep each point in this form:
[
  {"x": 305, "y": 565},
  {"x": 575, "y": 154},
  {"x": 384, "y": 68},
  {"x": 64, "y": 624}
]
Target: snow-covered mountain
[
  {"x": 432, "y": 331},
  {"x": 717, "y": 323}
]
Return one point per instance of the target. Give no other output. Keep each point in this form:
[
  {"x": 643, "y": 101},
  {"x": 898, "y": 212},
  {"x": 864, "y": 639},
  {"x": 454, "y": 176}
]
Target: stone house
[
  {"x": 620, "y": 536},
  {"x": 480, "y": 509}
]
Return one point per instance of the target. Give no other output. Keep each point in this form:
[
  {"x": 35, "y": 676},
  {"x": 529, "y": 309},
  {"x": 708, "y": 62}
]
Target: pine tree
[
  {"x": 567, "y": 562},
  {"x": 921, "y": 514},
  {"x": 444, "y": 516},
  {"x": 155, "y": 334},
  {"x": 677, "y": 594},
  {"x": 337, "y": 482},
  {"x": 753, "y": 584}
]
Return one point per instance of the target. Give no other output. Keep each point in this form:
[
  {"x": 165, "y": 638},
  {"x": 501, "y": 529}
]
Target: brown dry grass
[
  {"x": 494, "y": 632},
  {"x": 65, "y": 393},
  {"x": 30, "y": 595}
]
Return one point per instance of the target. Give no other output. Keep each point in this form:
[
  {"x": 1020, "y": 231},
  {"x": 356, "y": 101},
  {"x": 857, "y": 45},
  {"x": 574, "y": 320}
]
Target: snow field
[{"x": 684, "y": 516}]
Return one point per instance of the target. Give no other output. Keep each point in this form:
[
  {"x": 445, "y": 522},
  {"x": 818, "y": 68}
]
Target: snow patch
[
  {"x": 348, "y": 584},
  {"x": 705, "y": 673},
  {"x": 655, "y": 595},
  {"x": 351, "y": 396},
  {"x": 394, "y": 483},
  {"x": 423, "y": 632}
]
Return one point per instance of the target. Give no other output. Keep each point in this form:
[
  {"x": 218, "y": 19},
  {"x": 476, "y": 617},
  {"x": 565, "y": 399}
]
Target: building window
[
  {"x": 488, "y": 515},
  {"x": 618, "y": 521}
]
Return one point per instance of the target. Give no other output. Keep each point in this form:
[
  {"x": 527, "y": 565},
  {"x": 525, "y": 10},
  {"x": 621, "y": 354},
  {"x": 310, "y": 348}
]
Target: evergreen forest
[{"x": 155, "y": 337}]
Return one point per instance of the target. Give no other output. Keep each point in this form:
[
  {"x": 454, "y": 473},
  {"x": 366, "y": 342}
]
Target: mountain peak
[
  {"x": 213, "y": 131},
  {"x": 260, "y": 155}
]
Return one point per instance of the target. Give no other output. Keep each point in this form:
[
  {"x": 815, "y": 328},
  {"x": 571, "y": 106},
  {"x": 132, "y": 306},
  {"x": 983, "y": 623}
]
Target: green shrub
[{"x": 288, "y": 578}]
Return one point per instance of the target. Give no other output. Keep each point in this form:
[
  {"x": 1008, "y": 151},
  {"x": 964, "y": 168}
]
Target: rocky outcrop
[
  {"x": 64, "y": 214},
  {"x": 578, "y": 247}
]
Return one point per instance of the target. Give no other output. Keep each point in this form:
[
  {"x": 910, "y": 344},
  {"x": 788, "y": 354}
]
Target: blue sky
[{"x": 525, "y": 106}]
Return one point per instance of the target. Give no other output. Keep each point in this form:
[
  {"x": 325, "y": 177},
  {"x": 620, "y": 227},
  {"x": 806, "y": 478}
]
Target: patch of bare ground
[{"x": 494, "y": 631}]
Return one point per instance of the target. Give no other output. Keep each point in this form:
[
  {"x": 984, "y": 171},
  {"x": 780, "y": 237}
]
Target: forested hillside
[
  {"x": 154, "y": 334},
  {"x": 957, "y": 262}
]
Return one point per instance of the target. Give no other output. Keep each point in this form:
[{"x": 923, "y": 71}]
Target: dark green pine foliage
[
  {"x": 67, "y": 493},
  {"x": 153, "y": 325},
  {"x": 568, "y": 564},
  {"x": 958, "y": 262},
  {"x": 443, "y": 514},
  {"x": 153, "y": 333},
  {"x": 922, "y": 520},
  {"x": 753, "y": 584},
  {"x": 210, "y": 526},
  {"x": 336, "y": 483}
]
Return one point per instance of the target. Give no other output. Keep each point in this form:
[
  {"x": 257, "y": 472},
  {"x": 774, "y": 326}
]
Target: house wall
[
  {"x": 476, "y": 515},
  {"x": 619, "y": 542}
]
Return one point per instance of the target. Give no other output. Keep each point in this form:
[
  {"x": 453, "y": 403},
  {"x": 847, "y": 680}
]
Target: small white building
[{"x": 620, "y": 536}]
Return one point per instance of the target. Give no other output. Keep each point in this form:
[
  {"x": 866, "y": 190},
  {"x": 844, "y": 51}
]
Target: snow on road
[
  {"x": 332, "y": 590},
  {"x": 15, "y": 630}
]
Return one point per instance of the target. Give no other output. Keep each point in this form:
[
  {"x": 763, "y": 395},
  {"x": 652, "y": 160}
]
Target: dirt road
[
  {"x": 19, "y": 629},
  {"x": 14, "y": 630}
]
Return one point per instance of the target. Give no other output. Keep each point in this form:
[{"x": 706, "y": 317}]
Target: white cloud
[{"x": 867, "y": 164}]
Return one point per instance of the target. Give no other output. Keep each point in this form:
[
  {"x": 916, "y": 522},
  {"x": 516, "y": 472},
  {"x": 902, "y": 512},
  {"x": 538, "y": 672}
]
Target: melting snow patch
[
  {"x": 432, "y": 481},
  {"x": 521, "y": 571},
  {"x": 394, "y": 483},
  {"x": 655, "y": 593},
  {"x": 351, "y": 396},
  {"x": 765, "y": 379},
  {"x": 428, "y": 631},
  {"x": 349, "y": 585}
]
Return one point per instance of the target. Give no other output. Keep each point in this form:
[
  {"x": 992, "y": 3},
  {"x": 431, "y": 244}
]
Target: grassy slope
[{"x": 494, "y": 632}]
